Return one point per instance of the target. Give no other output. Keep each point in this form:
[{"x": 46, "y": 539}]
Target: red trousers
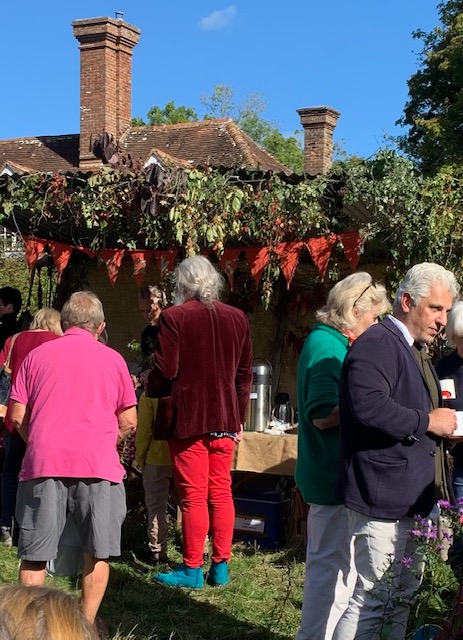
[{"x": 202, "y": 469}]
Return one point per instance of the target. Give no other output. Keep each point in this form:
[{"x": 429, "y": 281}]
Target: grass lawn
[{"x": 262, "y": 601}]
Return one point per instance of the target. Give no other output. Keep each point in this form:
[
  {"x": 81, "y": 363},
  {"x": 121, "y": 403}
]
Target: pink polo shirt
[{"x": 73, "y": 388}]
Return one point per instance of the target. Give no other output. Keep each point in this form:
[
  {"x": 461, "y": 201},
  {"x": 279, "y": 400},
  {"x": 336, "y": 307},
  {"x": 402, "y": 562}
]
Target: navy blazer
[{"x": 387, "y": 457}]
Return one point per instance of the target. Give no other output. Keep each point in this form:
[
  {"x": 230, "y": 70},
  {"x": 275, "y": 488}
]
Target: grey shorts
[{"x": 97, "y": 507}]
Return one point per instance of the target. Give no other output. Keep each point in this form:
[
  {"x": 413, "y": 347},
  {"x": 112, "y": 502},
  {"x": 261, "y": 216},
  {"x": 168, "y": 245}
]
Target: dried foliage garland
[{"x": 416, "y": 218}]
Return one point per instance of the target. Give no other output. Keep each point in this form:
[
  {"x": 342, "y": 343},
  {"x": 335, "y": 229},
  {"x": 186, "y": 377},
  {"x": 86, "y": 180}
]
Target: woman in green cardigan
[{"x": 353, "y": 305}]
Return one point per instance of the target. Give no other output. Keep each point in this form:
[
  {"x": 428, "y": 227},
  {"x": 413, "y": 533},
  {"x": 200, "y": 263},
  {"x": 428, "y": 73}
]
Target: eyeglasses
[{"x": 372, "y": 284}]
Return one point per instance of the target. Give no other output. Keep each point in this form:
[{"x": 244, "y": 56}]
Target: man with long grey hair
[
  {"x": 392, "y": 462},
  {"x": 202, "y": 375},
  {"x": 73, "y": 401}
]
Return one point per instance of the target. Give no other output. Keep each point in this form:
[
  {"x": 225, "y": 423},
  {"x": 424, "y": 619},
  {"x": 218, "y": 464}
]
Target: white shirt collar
[{"x": 406, "y": 333}]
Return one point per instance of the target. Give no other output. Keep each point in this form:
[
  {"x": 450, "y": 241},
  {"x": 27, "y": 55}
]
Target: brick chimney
[
  {"x": 105, "y": 81},
  {"x": 319, "y": 124}
]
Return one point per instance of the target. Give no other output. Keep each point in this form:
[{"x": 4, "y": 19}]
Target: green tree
[
  {"x": 170, "y": 114},
  {"x": 434, "y": 111}
]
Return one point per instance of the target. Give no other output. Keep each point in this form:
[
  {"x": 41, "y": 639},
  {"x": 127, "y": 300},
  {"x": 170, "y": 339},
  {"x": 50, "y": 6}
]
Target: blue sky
[{"x": 352, "y": 55}]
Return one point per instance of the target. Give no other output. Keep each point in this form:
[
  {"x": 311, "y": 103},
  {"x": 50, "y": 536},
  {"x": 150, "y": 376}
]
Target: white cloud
[{"x": 218, "y": 19}]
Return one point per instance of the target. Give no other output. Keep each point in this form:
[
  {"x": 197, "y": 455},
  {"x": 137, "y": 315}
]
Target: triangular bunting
[
  {"x": 166, "y": 261},
  {"x": 60, "y": 253},
  {"x": 88, "y": 252},
  {"x": 351, "y": 245},
  {"x": 257, "y": 258},
  {"x": 228, "y": 261},
  {"x": 33, "y": 248},
  {"x": 141, "y": 260},
  {"x": 113, "y": 260},
  {"x": 320, "y": 249},
  {"x": 288, "y": 255}
]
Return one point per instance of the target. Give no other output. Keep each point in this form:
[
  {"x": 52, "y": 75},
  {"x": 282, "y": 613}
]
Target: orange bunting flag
[
  {"x": 166, "y": 261},
  {"x": 288, "y": 255},
  {"x": 60, "y": 253},
  {"x": 141, "y": 260},
  {"x": 34, "y": 248},
  {"x": 320, "y": 249},
  {"x": 257, "y": 258},
  {"x": 113, "y": 260},
  {"x": 352, "y": 246},
  {"x": 228, "y": 261}
]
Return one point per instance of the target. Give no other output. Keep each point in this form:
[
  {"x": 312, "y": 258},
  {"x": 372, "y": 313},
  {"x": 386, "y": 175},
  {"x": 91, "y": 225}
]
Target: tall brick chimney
[
  {"x": 105, "y": 81},
  {"x": 319, "y": 124}
]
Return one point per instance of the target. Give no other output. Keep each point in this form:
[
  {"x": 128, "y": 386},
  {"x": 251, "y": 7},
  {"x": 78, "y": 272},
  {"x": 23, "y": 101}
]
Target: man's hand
[
  {"x": 442, "y": 422},
  {"x": 239, "y": 435}
]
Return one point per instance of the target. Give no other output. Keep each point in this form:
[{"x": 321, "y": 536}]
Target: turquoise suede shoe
[
  {"x": 182, "y": 576},
  {"x": 218, "y": 574}
]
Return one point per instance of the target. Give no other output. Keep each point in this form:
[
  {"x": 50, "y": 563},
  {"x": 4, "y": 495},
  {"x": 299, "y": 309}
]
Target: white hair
[
  {"x": 356, "y": 291},
  {"x": 419, "y": 280},
  {"x": 454, "y": 328},
  {"x": 196, "y": 278},
  {"x": 84, "y": 310}
]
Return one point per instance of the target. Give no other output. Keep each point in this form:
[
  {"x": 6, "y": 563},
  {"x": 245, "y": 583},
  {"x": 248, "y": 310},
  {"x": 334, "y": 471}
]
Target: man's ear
[
  {"x": 9, "y": 308},
  {"x": 100, "y": 330},
  {"x": 406, "y": 302}
]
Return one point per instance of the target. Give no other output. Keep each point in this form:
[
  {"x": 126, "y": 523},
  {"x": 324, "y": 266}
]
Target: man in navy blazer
[{"x": 392, "y": 424}]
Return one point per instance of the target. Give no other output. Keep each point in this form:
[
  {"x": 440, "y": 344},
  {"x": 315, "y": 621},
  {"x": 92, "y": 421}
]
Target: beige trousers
[{"x": 158, "y": 484}]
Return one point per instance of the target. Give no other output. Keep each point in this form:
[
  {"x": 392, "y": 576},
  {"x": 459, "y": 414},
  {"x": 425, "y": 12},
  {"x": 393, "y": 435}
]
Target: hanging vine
[{"x": 415, "y": 218}]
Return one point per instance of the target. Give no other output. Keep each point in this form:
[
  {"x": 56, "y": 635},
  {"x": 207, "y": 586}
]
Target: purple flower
[
  {"x": 444, "y": 504},
  {"x": 432, "y": 532},
  {"x": 407, "y": 562}
]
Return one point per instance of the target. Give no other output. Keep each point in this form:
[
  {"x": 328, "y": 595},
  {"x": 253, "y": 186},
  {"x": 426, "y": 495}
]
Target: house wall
[{"x": 296, "y": 312}]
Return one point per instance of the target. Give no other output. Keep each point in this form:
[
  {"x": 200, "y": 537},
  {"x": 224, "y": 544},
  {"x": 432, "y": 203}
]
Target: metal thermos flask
[{"x": 260, "y": 400}]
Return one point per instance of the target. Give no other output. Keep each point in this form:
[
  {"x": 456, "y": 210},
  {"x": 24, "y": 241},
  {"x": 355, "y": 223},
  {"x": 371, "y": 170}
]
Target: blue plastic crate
[{"x": 261, "y": 515}]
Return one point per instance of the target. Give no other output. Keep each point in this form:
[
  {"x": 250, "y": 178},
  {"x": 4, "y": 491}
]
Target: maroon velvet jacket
[{"x": 202, "y": 370}]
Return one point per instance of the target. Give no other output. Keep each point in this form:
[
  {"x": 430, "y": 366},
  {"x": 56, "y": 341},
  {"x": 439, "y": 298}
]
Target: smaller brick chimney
[
  {"x": 105, "y": 81},
  {"x": 319, "y": 124}
]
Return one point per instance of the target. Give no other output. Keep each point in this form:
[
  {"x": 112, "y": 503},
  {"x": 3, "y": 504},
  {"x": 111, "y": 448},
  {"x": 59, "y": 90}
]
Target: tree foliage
[
  {"x": 170, "y": 114},
  {"x": 434, "y": 111}
]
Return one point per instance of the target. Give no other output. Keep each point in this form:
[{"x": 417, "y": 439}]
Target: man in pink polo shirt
[{"x": 73, "y": 401}]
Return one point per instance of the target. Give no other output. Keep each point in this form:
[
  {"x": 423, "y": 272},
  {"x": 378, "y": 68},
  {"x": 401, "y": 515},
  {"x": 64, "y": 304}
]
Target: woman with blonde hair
[
  {"x": 353, "y": 305},
  {"x": 45, "y": 326},
  {"x": 41, "y": 613}
]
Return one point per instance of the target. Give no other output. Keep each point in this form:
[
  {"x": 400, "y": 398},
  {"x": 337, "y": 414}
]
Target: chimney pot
[
  {"x": 318, "y": 124},
  {"x": 105, "y": 81}
]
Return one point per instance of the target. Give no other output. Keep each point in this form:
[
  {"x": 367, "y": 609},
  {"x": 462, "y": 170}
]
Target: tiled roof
[
  {"x": 219, "y": 143},
  {"x": 46, "y": 154}
]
